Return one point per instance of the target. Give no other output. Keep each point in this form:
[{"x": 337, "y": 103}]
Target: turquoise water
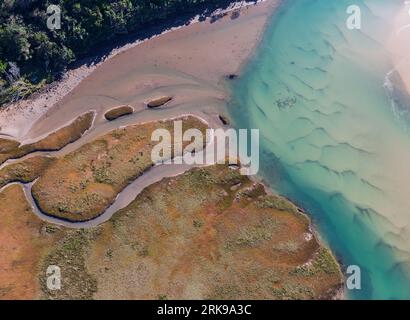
[{"x": 330, "y": 140}]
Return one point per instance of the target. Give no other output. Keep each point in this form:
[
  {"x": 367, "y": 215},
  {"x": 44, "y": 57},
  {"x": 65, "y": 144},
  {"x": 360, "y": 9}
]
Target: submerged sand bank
[{"x": 187, "y": 63}]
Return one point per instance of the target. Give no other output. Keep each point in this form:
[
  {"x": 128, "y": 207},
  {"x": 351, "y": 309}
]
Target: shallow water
[{"x": 330, "y": 140}]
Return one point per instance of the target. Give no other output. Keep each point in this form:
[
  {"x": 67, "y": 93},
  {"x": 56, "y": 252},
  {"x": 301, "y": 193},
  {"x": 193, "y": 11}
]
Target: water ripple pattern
[{"x": 330, "y": 140}]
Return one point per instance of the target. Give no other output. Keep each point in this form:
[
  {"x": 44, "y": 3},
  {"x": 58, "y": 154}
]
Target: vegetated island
[
  {"x": 155, "y": 103},
  {"x": 118, "y": 112}
]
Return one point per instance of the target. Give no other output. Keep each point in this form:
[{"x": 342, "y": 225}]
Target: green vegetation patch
[
  {"x": 118, "y": 112},
  {"x": 159, "y": 102},
  {"x": 323, "y": 263},
  {"x": 69, "y": 256}
]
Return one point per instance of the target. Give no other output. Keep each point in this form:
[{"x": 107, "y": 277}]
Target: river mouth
[
  {"x": 208, "y": 227},
  {"x": 316, "y": 91}
]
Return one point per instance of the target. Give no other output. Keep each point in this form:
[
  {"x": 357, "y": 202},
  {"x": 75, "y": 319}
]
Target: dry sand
[{"x": 190, "y": 63}]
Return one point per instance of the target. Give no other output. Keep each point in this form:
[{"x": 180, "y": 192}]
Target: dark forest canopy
[{"x": 31, "y": 54}]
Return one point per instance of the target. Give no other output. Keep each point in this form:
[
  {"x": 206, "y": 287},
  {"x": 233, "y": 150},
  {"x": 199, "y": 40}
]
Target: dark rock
[{"x": 224, "y": 120}]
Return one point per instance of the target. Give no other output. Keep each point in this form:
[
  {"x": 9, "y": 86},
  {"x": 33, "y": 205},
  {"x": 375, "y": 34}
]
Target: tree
[{"x": 42, "y": 54}]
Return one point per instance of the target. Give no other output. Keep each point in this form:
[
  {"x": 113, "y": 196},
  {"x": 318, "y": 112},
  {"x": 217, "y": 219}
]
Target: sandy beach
[{"x": 189, "y": 63}]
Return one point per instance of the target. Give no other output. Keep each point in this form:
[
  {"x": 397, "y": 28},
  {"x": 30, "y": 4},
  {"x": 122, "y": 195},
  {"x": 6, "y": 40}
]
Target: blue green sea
[{"x": 334, "y": 138}]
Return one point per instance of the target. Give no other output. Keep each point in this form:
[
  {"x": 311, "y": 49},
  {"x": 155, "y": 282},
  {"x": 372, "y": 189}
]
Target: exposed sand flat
[
  {"x": 400, "y": 45},
  {"x": 189, "y": 63}
]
